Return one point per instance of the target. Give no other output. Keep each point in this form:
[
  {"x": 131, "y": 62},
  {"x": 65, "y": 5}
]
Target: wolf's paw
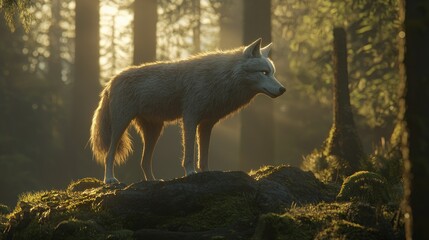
[
  {"x": 188, "y": 173},
  {"x": 111, "y": 180}
]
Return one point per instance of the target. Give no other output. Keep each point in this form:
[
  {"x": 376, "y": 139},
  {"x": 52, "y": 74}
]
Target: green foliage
[
  {"x": 304, "y": 32},
  {"x": 325, "y": 168},
  {"x": 34, "y": 67},
  {"x": 16, "y": 8},
  {"x": 366, "y": 187},
  {"x": 180, "y": 20},
  {"x": 386, "y": 159}
]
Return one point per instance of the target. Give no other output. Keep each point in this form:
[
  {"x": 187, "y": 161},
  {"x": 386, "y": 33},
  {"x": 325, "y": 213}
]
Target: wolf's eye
[{"x": 264, "y": 72}]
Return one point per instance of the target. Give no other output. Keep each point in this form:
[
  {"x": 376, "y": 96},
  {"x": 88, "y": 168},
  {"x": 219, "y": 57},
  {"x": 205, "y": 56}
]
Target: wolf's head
[{"x": 259, "y": 70}]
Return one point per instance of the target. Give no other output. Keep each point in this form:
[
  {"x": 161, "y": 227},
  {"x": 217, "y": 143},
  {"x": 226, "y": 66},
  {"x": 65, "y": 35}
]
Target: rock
[
  {"x": 151, "y": 204},
  {"x": 208, "y": 205},
  {"x": 286, "y": 185},
  {"x": 273, "y": 196},
  {"x": 178, "y": 196}
]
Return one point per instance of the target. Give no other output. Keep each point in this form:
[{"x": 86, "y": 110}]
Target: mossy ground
[
  {"x": 43, "y": 215},
  {"x": 217, "y": 212},
  {"x": 327, "y": 221},
  {"x": 78, "y": 213}
]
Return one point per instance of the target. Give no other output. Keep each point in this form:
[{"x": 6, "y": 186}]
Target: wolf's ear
[
  {"x": 253, "y": 50},
  {"x": 265, "y": 51}
]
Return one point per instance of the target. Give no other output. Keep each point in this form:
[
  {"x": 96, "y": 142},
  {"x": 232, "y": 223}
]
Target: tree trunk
[
  {"x": 55, "y": 78},
  {"x": 86, "y": 87},
  {"x": 231, "y": 24},
  {"x": 343, "y": 141},
  {"x": 414, "y": 52},
  {"x": 145, "y": 19},
  {"x": 257, "y": 120},
  {"x": 196, "y": 29},
  {"x": 225, "y": 140}
]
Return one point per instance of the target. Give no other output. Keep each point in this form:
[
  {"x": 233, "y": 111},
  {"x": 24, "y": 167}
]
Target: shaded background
[{"x": 51, "y": 76}]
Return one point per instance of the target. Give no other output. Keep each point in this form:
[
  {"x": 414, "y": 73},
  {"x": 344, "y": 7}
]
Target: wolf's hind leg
[
  {"x": 188, "y": 135},
  {"x": 150, "y": 132},
  {"x": 119, "y": 125},
  {"x": 204, "y": 132},
  {"x": 109, "y": 175}
]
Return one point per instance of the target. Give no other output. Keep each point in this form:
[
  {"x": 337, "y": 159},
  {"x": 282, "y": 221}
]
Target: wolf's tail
[{"x": 101, "y": 132}]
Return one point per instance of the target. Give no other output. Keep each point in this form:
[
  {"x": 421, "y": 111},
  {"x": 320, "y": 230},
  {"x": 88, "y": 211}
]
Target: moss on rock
[
  {"x": 217, "y": 212},
  {"x": 84, "y": 184},
  {"x": 322, "y": 221},
  {"x": 213, "y": 205},
  {"x": 302, "y": 186},
  {"x": 365, "y": 186},
  {"x": 38, "y": 214}
]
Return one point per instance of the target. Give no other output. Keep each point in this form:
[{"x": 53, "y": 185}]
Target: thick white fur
[{"x": 199, "y": 91}]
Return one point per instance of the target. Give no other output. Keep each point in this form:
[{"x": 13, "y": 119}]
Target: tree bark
[
  {"x": 196, "y": 29},
  {"x": 145, "y": 19},
  {"x": 231, "y": 24},
  {"x": 55, "y": 78},
  {"x": 414, "y": 113},
  {"x": 86, "y": 87},
  {"x": 343, "y": 141},
  {"x": 257, "y": 120}
]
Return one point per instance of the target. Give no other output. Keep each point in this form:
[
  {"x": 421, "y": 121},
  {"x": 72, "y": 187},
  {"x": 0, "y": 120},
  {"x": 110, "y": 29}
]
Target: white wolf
[{"x": 199, "y": 91}]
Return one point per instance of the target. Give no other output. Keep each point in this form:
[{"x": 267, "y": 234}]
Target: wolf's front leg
[
  {"x": 188, "y": 135},
  {"x": 204, "y": 132}
]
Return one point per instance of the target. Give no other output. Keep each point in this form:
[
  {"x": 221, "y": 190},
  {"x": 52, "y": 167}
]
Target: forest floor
[{"x": 272, "y": 203}]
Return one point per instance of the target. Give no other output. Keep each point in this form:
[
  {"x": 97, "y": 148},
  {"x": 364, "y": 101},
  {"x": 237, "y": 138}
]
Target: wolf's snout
[{"x": 274, "y": 91}]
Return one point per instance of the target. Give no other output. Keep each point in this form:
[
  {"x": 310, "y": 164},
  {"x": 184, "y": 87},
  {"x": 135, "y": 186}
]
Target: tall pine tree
[
  {"x": 343, "y": 142},
  {"x": 414, "y": 114},
  {"x": 257, "y": 120},
  {"x": 86, "y": 87}
]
